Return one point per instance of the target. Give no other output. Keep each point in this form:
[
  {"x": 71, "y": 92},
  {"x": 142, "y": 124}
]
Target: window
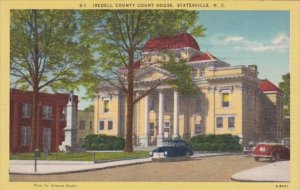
[
  {"x": 148, "y": 59},
  {"x": 81, "y": 124},
  {"x": 151, "y": 130},
  {"x": 46, "y": 139},
  {"x": 25, "y": 136},
  {"x": 219, "y": 122},
  {"x": 198, "y": 104},
  {"x": 198, "y": 129},
  {"x": 101, "y": 125},
  {"x": 47, "y": 112},
  {"x": 106, "y": 106},
  {"x": 177, "y": 55},
  {"x": 225, "y": 100},
  {"x": 151, "y": 104},
  {"x": 163, "y": 57},
  {"x": 180, "y": 144},
  {"x": 91, "y": 125},
  {"x": 110, "y": 125},
  {"x": 26, "y": 110},
  {"x": 231, "y": 122}
]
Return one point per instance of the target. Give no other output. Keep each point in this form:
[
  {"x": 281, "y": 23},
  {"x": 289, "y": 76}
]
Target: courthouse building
[{"x": 230, "y": 99}]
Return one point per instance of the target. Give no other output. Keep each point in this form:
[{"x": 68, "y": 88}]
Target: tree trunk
[
  {"x": 35, "y": 86},
  {"x": 35, "y": 130},
  {"x": 130, "y": 105}
]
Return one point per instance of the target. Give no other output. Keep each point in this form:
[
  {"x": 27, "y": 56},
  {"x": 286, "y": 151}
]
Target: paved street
[{"x": 210, "y": 169}]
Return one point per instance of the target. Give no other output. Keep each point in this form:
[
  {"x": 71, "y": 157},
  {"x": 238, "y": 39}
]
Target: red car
[{"x": 271, "y": 151}]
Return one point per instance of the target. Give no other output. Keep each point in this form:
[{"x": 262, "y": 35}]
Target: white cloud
[{"x": 279, "y": 43}]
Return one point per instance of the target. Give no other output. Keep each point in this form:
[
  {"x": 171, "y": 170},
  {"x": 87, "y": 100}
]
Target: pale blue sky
[
  {"x": 243, "y": 38},
  {"x": 249, "y": 37}
]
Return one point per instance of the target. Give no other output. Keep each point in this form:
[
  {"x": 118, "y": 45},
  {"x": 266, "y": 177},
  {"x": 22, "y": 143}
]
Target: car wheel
[
  {"x": 188, "y": 154},
  {"x": 256, "y": 159},
  {"x": 276, "y": 157}
]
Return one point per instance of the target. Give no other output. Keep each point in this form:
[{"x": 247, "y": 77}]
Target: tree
[
  {"x": 44, "y": 55},
  {"x": 90, "y": 108},
  {"x": 116, "y": 39},
  {"x": 285, "y": 87}
]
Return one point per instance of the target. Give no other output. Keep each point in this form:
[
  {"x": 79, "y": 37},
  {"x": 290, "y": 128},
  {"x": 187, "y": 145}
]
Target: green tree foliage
[
  {"x": 182, "y": 79},
  {"x": 44, "y": 54},
  {"x": 90, "y": 108},
  {"x": 285, "y": 87},
  {"x": 116, "y": 39}
]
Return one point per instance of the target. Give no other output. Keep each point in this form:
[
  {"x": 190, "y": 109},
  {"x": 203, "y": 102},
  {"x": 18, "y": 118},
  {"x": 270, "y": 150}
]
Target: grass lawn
[{"x": 85, "y": 156}]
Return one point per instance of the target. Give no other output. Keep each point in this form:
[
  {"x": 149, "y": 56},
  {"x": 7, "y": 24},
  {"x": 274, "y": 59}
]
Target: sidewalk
[
  {"x": 278, "y": 171},
  {"x": 60, "y": 167},
  {"x": 45, "y": 167}
]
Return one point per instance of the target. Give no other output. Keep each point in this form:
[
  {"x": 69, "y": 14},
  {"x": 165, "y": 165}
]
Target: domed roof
[{"x": 171, "y": 42}]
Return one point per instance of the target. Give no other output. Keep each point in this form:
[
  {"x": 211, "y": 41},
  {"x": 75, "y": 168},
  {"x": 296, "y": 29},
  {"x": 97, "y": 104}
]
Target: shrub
[
  {"x": 103, "y": 142},
  {"x": 224, "y": 142}
]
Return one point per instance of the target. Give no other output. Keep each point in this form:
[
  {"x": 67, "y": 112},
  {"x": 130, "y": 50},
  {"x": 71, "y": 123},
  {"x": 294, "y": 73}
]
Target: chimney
[{"x": 253, "y": 67}]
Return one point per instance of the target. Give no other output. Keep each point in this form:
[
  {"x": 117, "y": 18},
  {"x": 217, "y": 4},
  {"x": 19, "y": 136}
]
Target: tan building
[
  {"x": 85, "y": 124},
  {"x": 230, "y": 99}
]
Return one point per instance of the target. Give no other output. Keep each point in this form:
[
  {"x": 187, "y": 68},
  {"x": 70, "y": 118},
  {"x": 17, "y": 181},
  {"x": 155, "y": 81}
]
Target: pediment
[{"x": 152, "y": 73}]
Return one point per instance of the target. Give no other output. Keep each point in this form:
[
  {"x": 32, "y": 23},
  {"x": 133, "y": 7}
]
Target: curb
[{"x": 77, "y": 171}]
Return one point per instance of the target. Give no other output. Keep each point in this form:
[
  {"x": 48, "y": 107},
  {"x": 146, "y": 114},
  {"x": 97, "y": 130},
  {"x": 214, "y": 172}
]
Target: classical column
[
  {"x": 160, "y": 119},
  {"x": 175, "y": 116},
  {"x": 144, "y": 139}
]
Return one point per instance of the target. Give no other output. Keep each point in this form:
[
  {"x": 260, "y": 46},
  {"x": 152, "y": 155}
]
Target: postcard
[{"x": 142, "y": 95}]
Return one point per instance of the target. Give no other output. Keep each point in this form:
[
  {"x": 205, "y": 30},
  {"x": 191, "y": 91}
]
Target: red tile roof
[
  {"x": 171, "y": 42},
  {"x": 202, "y": 57},
  {"x": 267, "y": 86}
]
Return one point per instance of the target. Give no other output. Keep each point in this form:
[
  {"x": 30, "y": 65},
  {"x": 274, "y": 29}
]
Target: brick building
[{"x": 51, "y": 120}]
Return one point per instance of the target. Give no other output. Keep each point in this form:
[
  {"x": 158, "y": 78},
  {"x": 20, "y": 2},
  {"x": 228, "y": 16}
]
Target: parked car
[
  {"x": 173, "y": 148},
  {"x": 271, "y": 151}
]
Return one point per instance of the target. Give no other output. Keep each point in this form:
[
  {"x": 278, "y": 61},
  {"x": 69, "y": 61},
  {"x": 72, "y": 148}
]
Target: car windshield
[{"x": 169, "y": 143}]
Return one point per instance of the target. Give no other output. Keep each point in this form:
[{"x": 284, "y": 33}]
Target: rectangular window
[
  {"x": 198, "y": 129},
  {"x": 101, "y": 125},
  {"x": 82, "y": 124},
  {"x": 110, "y": 125},
  {"x": 26, "y": 110},
  {"x": 177, "y": 55},
  {"x": 219, "y": 122},
  {"x": 151, "y": 129},
  {"x": 106, "y": 106},
  {"x": 25, "y": 136},
  {"x": 46, "y": 139},
  {"x": 47, "y": 112},
  {"x": 225, "y": 100},
  {"x": 198, "y": 104},
  {"x": 91, "y": 125},
  {"x": 231, "y": 122},
  {"x": 151, "y": 104}
]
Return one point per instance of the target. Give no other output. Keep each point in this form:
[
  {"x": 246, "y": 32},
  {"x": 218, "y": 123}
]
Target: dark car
[
  {"x": 271, "y": 151},
  {"x": 173, "y": 148}
]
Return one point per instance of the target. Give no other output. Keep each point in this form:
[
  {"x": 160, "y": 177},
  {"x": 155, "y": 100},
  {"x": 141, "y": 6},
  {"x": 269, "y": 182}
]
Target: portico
[{"x": 145, "y": 138}]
